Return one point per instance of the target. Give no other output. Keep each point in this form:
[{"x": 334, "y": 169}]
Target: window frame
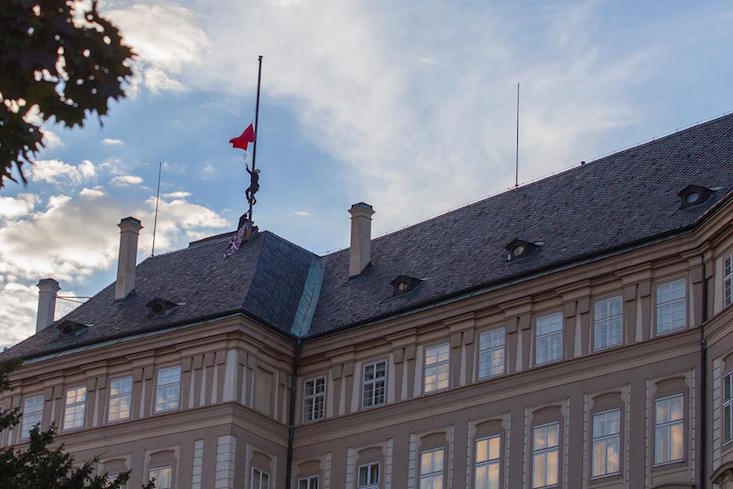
[
  {"x": 435, "y": 473},
  {"x": 604, "y": 438},
  {"x": 160, "y": 468},
  {"x": 438, "y": 364},
  {"x": 559, "y": 332},
  {"x": 607, "y": 322},
  {"x": 665, "y": 424},
  {"x": 374, "y": 382},
  {"x": 159, "y": 386},
  {"x": 489, "y": 461},
  {"x": 25, "y": 431},
  {"x": 370, "y": 484},
  {"x": 545, "y": 451},
  {"x": 308, "y": 481},
  {"x": 314, "y": 396},
  {"x": 727, "y": 405},
  {"x": 75, "y": 405},
  {"x": 489, "y": 350},
  {"x": 657, "y": 304},
  {"x": 262, "y": 473},
  {"x": 111, "y": 397},
  {"x": 728, "y": 280}
]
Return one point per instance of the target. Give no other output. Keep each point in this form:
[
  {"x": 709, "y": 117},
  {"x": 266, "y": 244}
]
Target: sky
[{"x": 409, "y": 106}]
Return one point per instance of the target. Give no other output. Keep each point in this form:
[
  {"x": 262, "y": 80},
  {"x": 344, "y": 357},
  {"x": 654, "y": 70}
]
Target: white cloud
[
  {"x": 57, "y": 171},
  {"x": 302, "y": 213},
  {"x": 179, "y": 194},
  {"x": 157, "y": 80},
  {"x": 112, "y": 142},
  {"x": 15, "y": 207},
  {"x": 125, "y": 180},
  {"x": 51, "y": 139},
  {"x": 92, "y": 192}
]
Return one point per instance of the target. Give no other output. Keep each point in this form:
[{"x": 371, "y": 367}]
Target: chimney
[
  {"x": 47, "y": 290},
  {"x": 129, "y": 231},
  {"x": 361, "y": 238}
]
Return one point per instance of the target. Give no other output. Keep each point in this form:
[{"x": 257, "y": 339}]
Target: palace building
[{"x": 575, "y": 332}]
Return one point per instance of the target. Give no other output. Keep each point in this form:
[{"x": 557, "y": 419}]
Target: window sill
[{"x": 672, "y": 464}]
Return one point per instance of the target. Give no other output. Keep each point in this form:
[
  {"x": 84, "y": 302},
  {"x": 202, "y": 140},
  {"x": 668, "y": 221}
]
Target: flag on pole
[{"x": 241, "y": 141}]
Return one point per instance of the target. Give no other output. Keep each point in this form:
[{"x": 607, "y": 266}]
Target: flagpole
[
  {"x": 157, "y": 198},
  {"x": 257, "y": 117}
]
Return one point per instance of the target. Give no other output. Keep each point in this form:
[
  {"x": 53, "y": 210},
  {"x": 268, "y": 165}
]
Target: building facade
[{"x": 571, "y": 333}]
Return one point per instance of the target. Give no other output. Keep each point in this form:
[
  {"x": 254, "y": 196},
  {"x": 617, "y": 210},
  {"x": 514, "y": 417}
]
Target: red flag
[{"x": 241, "y": 141}]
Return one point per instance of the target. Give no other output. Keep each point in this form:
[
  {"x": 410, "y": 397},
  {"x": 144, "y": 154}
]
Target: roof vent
[
  {"x": 694, "y": 195},
  {"x": 68, "y": 327},
  {"x": 520, "y": 248},
  {"x": 404, "y": 283},
  {"x": 160, "y": 307}
]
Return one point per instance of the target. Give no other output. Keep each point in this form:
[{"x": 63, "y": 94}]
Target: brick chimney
[
  {"x": 361, "y": 238},
  {"x": 47, "y": 290},
  {"x": 129, "y": 231}
]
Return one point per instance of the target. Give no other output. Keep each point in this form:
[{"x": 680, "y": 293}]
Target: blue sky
[{"x": 406, "y": 105}]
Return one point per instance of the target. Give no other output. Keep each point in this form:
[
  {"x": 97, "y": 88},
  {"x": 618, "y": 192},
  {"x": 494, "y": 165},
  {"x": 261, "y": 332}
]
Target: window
[
  {"x": 32, "y": 415},
  {"x": 260, "y": 479},
  {"x": 369, "y": 476},
  {"x": 163, "y": 477},
  {"x": 545, "y": 455},
  {"x": 491, "y": 353},
  {"x": 431, "y": 469},
  {"x": 549, "y": 338},
  {"x": 168, "y": 389},
  {"x": 437, "y": 367},
  {"x": 120, "y": 398},
  {"x": 606, "y": 442},
  {"x": 75, "y": 407},
  {"x": 486, "y": 468},
  {"x": 308, "y": 482},
  {"x": 375, "y": 381},
  {"x": 728, "y": 408},
  {"x": 607, "y": 322},
  {"x": 668, "y": 430},
  {"x": 671, "y": 306},
  {"x": 314, "y": 399},
  {"x": 728, "y": 280}
]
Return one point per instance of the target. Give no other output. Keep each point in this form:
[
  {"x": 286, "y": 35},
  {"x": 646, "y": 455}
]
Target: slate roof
[{"x": 627, "y": 198}]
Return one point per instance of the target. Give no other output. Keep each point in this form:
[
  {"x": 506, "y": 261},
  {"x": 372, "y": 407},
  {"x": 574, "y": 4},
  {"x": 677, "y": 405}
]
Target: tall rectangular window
[
  {"x": 369, "y": 476},
  {"x": 431, "y": 469},
  {"x": 168, "y": 389},
  {"x": 163, "y": 477},
  {"x": 491, "y": 353},
  {"x": 260, "y": 479},
  {"x": 728, "y": 408},
  {"x": 607, "y": 322},
  {"x": 545, "y": 455},
  {"x": 549, "y": 338},
  {"x": 314, "y": 399},
  {"x": 120, "y": 398},
  {"x": 671, "y": 308},
  {"x": 487, "y": 465},
  {"x": 308, "y": 482},
  {"x": 728, "y": 280},
  {"x": 437, "y": 367},
  {"x": 374, "y": 386},
  {"x": 669, "y": 429},
  {"x": 606, "y": 442},
  {"x": 32, "y": 415},
  {"x": 75, "y": 407}
]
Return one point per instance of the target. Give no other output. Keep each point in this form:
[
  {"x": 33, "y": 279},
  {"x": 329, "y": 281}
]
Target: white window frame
[
  {"x": 437, "y": 367},
  {"x": 605, "y": 440},
  {"x": 670, "y": 304},
  {"x": 727, "y": 421},
  {"x": 489, "y": 462},
  {"x": 491, "y": 344},
  {"x": 728, "y": 280},
  {"x": 554, "y": 333},
  {"x": 434, "y": 474},
  {"x": 262, "y": 483},
  {"x": 318, "y": 398},
  {"x": 664, "y": 425},
  {"x": 32, "y": 414},
  {"x": 544, "y": 452},
  {"x": 162, "y": 390},
  {"x": 369, "y": 484},
  {"x": 76, "y": 410},
  {"x": 604, "y": 320},
  {"x": 311, "y": 482},
  {"x": 158, "y": 470},
  {"x": 375, "y": 383},
  {"x": 115, "y": 401}
]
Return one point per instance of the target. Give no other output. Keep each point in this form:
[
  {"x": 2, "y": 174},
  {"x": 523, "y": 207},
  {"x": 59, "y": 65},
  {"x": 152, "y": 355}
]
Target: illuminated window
[
  {"x": 668, "y": 430},
  {"x": 431, "y": 469},
  {"x": 606, "y": 441},
  {"x": 437, "y": 367},
  {"x": 32, "y": 415},
  {"x": 486, "y": 467},
  {"x": 120, "y": 398},
  {"x": 545, "y": 455},
  {"x": 491, "y": 353},
  {"x": 162, "y": 477},
  {"x": 168, "y": 389},
  {"x": 75, "y": 407}
]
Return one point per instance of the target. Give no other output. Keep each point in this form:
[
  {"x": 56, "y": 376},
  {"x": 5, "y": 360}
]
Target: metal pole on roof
[
  {"x": 157, "y": 199},
  {"x": 516, "y": 151},
  {"x": 257, "y": 128}
]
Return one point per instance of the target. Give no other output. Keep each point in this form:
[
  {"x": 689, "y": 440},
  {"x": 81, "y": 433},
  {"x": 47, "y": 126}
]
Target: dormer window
[
  {"x": 520, "y": 248},
  {"x": 404, "y": 283},
  {"x": 71, "y": 328},
  {"x": 694, "y": 195},
  {"x": 160, "y": 307}
]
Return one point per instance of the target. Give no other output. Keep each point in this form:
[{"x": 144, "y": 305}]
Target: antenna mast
[
  {"x": 157, "y": 199},
  {"x": 516, "y": 151}
]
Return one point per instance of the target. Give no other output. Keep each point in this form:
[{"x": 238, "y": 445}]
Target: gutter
[{"x": 703, "y": 379}]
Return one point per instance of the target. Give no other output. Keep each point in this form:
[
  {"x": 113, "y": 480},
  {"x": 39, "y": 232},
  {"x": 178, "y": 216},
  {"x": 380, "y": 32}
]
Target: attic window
[
  {"x": 159, "y": 307},
  {"x": 694, "y": 195},
  {"x": 71, "y": 328},
  {"x": 404, "y": 283},
  {"x": 520, "y": 248}
]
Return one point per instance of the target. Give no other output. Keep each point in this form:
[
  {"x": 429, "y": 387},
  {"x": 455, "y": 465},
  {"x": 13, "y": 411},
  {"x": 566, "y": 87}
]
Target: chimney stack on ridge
[
  {"x": 47, "y": 290},
  {"x": 129, "y": 232},
  {"x": 361, "y": 238}
]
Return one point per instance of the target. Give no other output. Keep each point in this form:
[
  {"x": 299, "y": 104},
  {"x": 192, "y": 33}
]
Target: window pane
[
  {"x": 482, "y": 477},
  {"x": 482, "y": 450},
  {"x": 676, "y": 444},
  {"x": 552, "y": 467},
  {"x": 538, "y": 470},
  {"x": 599, "y": 458},
  {"x": 612, "y": 455}
]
